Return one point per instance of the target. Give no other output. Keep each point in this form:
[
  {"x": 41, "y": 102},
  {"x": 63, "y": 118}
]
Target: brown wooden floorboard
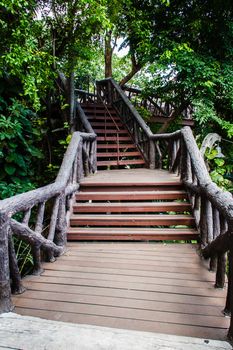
[
  {"x": 130, "y": 176},
  {"x": 152, "y": 287}
]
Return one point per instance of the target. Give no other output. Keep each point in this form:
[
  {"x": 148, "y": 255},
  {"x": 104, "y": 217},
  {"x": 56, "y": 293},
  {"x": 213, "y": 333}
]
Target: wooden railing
[
  {"x": 179, "y": 153},
  {"x": 86, "y": 96},
  {"x": 176, "y": 152},
  {"x": 112, "y": 94},
  {"x": 159, "y": 109},
  {"x": 40, "y": 217}
]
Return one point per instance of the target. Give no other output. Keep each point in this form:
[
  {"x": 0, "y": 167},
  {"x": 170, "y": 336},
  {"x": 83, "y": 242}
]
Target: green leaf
[
  {"x": 219, "y": 161},
  {"x": 10, "y": 169}
]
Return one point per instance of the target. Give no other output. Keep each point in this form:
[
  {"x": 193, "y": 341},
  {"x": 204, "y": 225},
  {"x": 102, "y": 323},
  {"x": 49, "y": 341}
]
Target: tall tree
[
  {"x": 72, "y": 25},
  {"x": 188, "y": 49}
]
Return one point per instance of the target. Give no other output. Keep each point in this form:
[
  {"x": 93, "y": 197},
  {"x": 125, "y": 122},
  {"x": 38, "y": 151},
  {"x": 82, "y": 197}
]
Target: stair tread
[
  {"x": 111, "y": 131},
  {"x": 121, "y": 162},
  {"x": 90, "y": 182},
  {"x": 134, "y": 204},
  {"x": 113, "y": 138},
  {"x": 97, "y": 118},
  {"x": 132, "y": 216},
  {"x": 108, "y": 123},
  {"x": 121, "y": 154},
  {"x": 128, "y": 193},
  {"x": 132, "y": 230},
  {"x": 131, "y": 207},
  {"x": 109, "y": 146}
]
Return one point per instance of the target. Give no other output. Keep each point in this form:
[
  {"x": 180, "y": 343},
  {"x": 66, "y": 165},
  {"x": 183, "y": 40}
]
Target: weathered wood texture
[
  {"x": 60, "y": 193},
  {"x": 159, "y": 109},
  {"x": 212, "y": 208},
  {"x": 113, "y": 138},
  {"x": 147, "y": 287}
]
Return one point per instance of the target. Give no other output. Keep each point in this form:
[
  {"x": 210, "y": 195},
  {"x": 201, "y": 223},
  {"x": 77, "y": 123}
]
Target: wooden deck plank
[
  {"x": 157, "y": 327},
  {"x": 36, "y": 285},
  {"x": 147, "y": 287},
  {"x": 126, "y": 302},
  {"x": 125, "y": 312},
  {"x": 204, "y": 276},
  {"x": 133, "y": 279},
  {"x": 130, "y": 176},
  {"x": 165, "y": 288}
]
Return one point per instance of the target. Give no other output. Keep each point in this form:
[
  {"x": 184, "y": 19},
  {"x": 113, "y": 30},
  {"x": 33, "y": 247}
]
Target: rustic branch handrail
[
  {"x": 137, "y": 116},
  {"x": 154, "y": 104},
  {"x": 85, "y": 122},
  {"x": 178, "y": 152},
  {"x": 222, "y": 200},
  {"x": 79, "y": 160},
  {"x": 28, "y": 199},
  {"x": 147, "y": 142}
]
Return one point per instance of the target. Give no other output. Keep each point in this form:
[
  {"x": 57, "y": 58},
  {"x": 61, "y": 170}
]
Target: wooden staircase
[
  {"x": 135, "y": 211},
  {"x": 115, "y": 147}
]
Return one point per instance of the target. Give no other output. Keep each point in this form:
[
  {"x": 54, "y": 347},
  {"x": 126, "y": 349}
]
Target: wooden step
[
  {"x": 136, "y": 195},
  {"x": 100, "y": 110},
  {"x": 88, "y": 183},
  {"x": 114, "y": 138},
  {"x": 111, "y": 131},
  {"x": 103, "y": 233},
  {"x": 121, "y": 154},
  {"x": 92, "y": 105},
  {"x": 101, "y": 117},
  {"x": 131, "y": 220},
  {"x": 131, "y": 188},
  {"x": 101, "y": 124},
  {"x": 131, "y": 207},
  {"x": 115, "y": 146},
  {"x": 120, "y": 162}
]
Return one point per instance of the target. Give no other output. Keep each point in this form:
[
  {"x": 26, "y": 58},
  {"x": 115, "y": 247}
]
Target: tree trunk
[
  {"x": 130, "y": 75},
  {"x": 108, "y": 55},
  {"x": 135, "y": 68},
  {"x": 71, "y": 100}
]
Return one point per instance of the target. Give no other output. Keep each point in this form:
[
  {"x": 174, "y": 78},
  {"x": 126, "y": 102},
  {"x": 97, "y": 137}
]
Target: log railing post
[
  {"x": 61, "y": 227},
  {"x": 152, "y": 154},
  {"x": 228, "y": 311},
  {"x": 221, "y": 258},
  {"x": 183, "y": 161},
  {"x": 203, "y": 222},
  {"x": 16, "y": 282},
  {"x": 5, "y": 288}
]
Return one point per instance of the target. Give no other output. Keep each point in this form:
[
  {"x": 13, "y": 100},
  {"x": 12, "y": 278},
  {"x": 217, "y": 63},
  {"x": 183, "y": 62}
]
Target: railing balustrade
[
  {"x": 53, "y": 202},
  {"x": 179, "y": 153},
  {"x": 176, "y": 152}
]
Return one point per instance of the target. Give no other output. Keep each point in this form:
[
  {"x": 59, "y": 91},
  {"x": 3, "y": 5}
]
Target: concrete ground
[{"x": 32, "y": 333}]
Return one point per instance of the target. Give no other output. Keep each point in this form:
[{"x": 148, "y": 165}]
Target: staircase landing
[
  {"x": 131, "y": 176},
  {"x": 154, "y": 287}
]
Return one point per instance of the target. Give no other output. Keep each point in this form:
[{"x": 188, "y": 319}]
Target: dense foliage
[{"x": 179, "y": 50}]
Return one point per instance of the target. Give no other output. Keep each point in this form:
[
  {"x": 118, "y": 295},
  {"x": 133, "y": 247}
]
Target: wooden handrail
[
  {"x": 154, "y": 104},
  {"x": 79, "y": 160},
  {"x": 85, "y": 122},
  {"x": 178, "y": 151},
  {"x": 212, "y": 207},
  {"x": 28, "y": 199},
  {"x": 127, "y": 102}
]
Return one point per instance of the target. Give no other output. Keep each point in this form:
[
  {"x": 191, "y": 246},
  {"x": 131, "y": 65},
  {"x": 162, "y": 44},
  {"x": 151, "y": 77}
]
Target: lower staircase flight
[{"x": 123, "y": 211}]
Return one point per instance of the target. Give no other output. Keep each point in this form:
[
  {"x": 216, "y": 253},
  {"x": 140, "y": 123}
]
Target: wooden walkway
[
  {"x": 131, "y": 177},
  {"x": 154, "y": 287}
]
